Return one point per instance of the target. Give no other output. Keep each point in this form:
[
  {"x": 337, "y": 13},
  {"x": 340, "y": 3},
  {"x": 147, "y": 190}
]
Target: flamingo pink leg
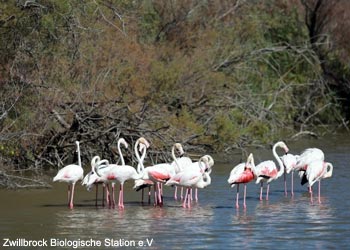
[
  {"x": 71, "y": 196},
  {"x": 182, "y": 193},
  {"x": 185, "y": 198},
  {"x": 244, "y": 197},
  {"x": 121, "y": 198},
  {"x": 319, "y": 191},
  {"x": 113, "y": 196},
  {"x": 285, "y": 183},
  {"x": 175, "y": 193},
  {"x": 196, "y": 194},
  {"x": 267, "y": 191},
  {"x": 189, "y": 198},
  {"x": 69, "y": 192},
  {"x": 292, "y": 185},
  {"x": 311, "y": 196},
  {"x": 261, "y": 190},
  {"x": 237, "y": 196}
]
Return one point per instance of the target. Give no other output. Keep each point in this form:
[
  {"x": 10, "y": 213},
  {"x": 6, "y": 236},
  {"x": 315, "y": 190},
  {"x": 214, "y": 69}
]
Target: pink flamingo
[
  {"x": 92, "y": 177},
  {"x": 71, "y": 174},
  {"x": 267, "y": 170},
  {"x": 120, "y": 173},
  {"x": 316, "y": 171},
  {"x": 160, "y": 173},
  {"x": 242, "y": 173},
  {"x": 289, "y": 162},
  {"x": 192, "y": 178},
  {"x": 205, "y": 164}
]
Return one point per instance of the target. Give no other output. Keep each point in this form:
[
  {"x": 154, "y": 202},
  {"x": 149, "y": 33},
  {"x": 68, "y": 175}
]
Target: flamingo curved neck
[
  {"x": 278, "y": 159},
  {"x": 140, "y": 166},
  {"x": 175, "y": 160},
  {"x": 120, "y": 153},
  {"x": 79, "y": 159}
]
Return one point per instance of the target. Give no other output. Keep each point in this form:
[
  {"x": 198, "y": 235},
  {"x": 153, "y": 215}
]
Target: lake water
[{"x": 282, "y": 222}]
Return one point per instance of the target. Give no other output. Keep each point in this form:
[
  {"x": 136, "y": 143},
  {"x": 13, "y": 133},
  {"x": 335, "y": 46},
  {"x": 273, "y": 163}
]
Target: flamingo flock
[
  {"x": 309, "y": 164},
  {"x": 182, "y": 172}
]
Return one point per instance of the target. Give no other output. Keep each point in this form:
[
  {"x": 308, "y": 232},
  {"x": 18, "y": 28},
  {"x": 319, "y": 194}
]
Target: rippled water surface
[{"x": 212, "y": 223}]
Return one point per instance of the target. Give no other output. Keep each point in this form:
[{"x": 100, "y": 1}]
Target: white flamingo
[
  {"x": 289, "y": 162},
  {"x": 191, "y": 177},
  {"x": 316, "y": 171},
  {"x": 160, "y": 173},
  {"x": 71, "y": 174},
  {"x": 267, "y": 170},
  {"x": 96, "y": 162},
  {"x": 120, "y": 173}
]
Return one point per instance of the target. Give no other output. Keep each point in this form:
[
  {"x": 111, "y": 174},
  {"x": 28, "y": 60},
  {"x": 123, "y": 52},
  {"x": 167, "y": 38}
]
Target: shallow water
[{"x": 212, "y": 223}]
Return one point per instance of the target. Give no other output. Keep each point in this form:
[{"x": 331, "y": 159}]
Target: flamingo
[
  {"x": 192, "y": 178},
  {"x": 120, "y": 173},
  {"x": 96, "y": 162},
  {"x": 289, "y": 162},
  {"x": 316, "y": 171},
  {"x": 242, "y": 174},
  {"x": 267, "y": 170},
  {"x": 182, "y": 161},
  {"x": 160, "y": 173},
  {"x": 71, "y": 174}
]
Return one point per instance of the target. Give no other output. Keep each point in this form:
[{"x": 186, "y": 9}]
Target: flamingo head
[
  {"x": 250, "y": 161},
  {"x": 122, "y": 141},
  {"x": 144, "y": 142},
  {"x": 179, "y": 148},
  {"x": 210, "y": 160},
  {"x": 329, "y": 170}
]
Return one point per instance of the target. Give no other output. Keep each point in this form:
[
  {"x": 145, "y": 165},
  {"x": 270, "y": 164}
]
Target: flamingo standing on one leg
[
  {"x": 241, "y": 174},
  {"x": 71, "y": 174},
  {"x": 267, "y": 170}
]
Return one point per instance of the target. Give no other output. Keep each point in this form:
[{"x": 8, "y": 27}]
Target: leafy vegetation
[{"x": 212, "y": 74}]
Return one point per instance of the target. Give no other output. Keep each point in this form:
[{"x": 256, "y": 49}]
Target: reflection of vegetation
[{"x": 223, "y": 74}]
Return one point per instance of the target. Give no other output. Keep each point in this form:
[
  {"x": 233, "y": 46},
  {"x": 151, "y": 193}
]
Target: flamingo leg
[
  {"x": 267, "y": 191},
  {"x": 196, "y": 194},
  {"x": 261, "y": 190},
  {"x": 285, "y": 183},
  {"x": 292, "y": 185},
  {"x": 185, "y": 199},
  {"x": 182, "y": 193},
  {"x": 237, "y": 196},
  {"x": 155, "y": 194},
  {"x": 319, "y": 191},
  {"x": 121, "y": 198},
  {"x": 71, "y": 196},
  {"x": 175, "y": 193},
  {"x": 69, "y": 192},
  {"x": 311, "y": 196},
  {"x": 244, "y": 196},
  {"x": 113, "y": 196},
  {"x": 189, "y": 198}
]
